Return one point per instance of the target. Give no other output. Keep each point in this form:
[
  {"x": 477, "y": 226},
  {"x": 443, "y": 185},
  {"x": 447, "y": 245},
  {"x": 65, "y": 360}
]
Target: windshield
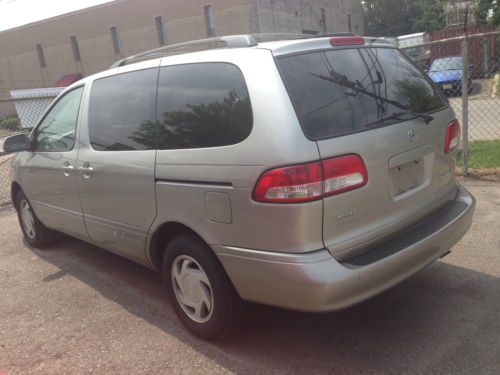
[
  {"x": 343, "y": 91},
  {"x": 450, "y": 63}
]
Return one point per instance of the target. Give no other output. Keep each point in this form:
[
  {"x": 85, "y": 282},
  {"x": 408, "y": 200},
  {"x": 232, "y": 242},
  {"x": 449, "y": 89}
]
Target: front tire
[
  {"x": 35, "y": 233},
  {"x": 201, "y": 293}
]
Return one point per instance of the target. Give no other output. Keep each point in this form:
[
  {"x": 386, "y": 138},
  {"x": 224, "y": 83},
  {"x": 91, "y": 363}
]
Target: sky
[{"x": 15, "y": 13}]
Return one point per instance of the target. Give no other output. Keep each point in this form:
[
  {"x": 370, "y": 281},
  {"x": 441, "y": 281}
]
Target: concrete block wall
[
  {"x": 135, "y": 23},
  {"x": 59, "y": 61},
  {"x": 186, "y": 29},
  {"x": 137, "y": 40},
  {"x": 297, "y": 16},
  {"x": 237, "y": 20},
  {"x": 23, "y": 71}
]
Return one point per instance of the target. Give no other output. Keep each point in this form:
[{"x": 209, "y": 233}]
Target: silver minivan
[{"x": 309, "y": 174}]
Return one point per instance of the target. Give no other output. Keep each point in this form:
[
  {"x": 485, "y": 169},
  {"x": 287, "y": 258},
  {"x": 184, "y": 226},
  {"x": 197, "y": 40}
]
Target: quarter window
[
  {"x": 122, "y": 111},
  {"x": 202, "y": 105},
  {"x": 57, "y": 130}
]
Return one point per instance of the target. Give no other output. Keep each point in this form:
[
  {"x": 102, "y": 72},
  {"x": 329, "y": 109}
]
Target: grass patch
[{"x": 484, "y": 154}]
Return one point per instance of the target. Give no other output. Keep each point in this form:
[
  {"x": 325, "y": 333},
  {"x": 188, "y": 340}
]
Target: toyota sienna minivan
[{"x": 309, "y": 174}]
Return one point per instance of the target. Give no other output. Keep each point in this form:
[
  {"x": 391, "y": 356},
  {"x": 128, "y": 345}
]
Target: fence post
[
  {"x": 486, "y": 57},
  {"x": 465, "y": 106}
]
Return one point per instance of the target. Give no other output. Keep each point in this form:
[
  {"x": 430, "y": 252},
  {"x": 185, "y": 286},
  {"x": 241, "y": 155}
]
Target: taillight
[
  {"x": 452, "y": 139},
  {"x": 300, "y": 183},
  {"x": 344, "y": 173},
  {"x": 311, "y": 181},
  {"x": 339, "y": 41}
]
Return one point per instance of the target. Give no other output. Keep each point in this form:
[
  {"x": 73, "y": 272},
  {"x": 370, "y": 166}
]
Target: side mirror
[{"x": 17, "y": 143}]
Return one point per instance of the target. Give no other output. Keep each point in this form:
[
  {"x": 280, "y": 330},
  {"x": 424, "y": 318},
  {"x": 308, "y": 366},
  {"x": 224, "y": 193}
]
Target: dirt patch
[{"x": 483, "y": 174}]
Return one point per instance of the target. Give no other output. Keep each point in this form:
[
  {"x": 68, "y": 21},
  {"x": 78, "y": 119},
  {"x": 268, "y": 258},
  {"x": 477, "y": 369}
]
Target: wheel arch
[
  {"x": 162, "y": 236},
  {"x": 15, "y": 188}
]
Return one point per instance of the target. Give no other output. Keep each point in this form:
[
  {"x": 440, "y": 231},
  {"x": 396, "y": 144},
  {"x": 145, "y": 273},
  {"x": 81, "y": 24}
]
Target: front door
[
  {"x": 116, "y": 162},
  {"x": 48, "y": 175}
]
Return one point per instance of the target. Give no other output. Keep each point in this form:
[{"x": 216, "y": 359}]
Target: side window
[
  {"x": 122, "y": 111},
  {"x": 57, "y": 130},
  {"x": 202, "y": 105}
]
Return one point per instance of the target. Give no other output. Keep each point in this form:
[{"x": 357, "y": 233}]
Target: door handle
[
  {"x": 67, "y": 169},
  {"x": 86, "y": 171}
]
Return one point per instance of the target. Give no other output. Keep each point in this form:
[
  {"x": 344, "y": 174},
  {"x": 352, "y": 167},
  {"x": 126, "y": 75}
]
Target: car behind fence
[{"x": 466, "y": 68}]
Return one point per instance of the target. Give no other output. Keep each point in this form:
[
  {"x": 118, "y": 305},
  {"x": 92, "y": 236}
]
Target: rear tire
[
  {"x": 35, "y": 233},
  {"x": 199, "y": 289}
]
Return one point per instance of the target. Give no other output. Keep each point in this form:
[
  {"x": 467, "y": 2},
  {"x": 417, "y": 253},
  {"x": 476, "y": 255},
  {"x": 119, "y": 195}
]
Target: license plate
[
  {"x": 447, "y": 87},
  {"x": 407, "y": 176}
]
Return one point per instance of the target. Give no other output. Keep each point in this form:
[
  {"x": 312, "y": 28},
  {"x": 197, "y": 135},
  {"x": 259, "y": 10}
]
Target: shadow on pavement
[{"x": 443, "y": 317}]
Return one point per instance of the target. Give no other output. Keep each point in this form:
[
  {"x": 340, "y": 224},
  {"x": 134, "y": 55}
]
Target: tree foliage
[
  {"x": 487, "y": 12},
  {"x": 429, "y": 15},
  {"x": 399, "y": 17}
]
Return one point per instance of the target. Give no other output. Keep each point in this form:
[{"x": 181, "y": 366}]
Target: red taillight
[
  {"x": 311, "y": 181},
  {"x": 300, "y": 183},
  {"x": 340, "y": 41},
  {"x": 343, "y": 174},
  {"x": 452, "y": 139}
]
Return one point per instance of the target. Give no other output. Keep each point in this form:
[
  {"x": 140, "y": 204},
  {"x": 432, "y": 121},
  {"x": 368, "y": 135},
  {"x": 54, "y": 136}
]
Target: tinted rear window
[
  {"x": 202, "y": 105},
  {"x": 122, "y": 110},
  {"x": 344, "y": 91}
]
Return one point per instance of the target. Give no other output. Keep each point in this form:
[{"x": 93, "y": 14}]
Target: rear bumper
[
  {"x": 456, "y": 86},
  {"x": 317, "y": 282}
]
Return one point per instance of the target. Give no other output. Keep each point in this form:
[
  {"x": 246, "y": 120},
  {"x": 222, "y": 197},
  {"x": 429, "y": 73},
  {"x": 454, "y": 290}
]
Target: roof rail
[
  {"x": 230, "y": 41},
  {"x": 281, "y": 36},
  {"x": 341, "y": 33}
]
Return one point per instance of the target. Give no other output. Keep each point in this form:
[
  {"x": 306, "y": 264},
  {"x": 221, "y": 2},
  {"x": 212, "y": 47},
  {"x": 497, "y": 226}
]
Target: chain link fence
[
  {"x": 467, "y": 69},
  {"x": 19, "y": 113},
  {"x": 5, "y": 174},
  {"x": 9, "y": 124}
]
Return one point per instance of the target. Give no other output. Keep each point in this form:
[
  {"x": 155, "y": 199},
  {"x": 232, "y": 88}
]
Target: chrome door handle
[
  {"x": 67, "y": 169},
  {"x": 86, "y": 171}
]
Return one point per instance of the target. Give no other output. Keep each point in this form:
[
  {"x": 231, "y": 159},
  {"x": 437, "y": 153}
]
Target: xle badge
[{"x": 346, "y": 215}]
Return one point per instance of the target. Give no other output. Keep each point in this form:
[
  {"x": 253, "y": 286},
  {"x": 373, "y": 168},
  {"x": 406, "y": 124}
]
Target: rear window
[{"x": 350, "y": 90}]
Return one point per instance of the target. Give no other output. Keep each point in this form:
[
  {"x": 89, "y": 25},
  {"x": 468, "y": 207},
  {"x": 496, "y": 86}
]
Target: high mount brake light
[
  {"x": 311, "y": 181},
  {"x": 339, "y": 41},
  {"x": 452, "y": 138}
]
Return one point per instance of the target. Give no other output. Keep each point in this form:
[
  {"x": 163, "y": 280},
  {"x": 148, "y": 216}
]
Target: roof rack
[
  {"x": 230, "y": 41},
  {"x": 341, "y": 33}
]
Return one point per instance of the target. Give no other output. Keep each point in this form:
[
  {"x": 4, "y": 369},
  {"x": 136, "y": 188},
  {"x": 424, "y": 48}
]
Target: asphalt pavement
[{"x": 77, "y": 309}]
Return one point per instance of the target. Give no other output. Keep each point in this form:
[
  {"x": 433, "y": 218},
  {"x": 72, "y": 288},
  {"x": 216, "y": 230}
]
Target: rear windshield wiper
[
  {"x": 397, "y": 116},
  {"x": 342, "y": 80}
]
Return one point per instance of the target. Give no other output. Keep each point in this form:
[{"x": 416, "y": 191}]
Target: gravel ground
[{"x": 75, "y": 309}]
